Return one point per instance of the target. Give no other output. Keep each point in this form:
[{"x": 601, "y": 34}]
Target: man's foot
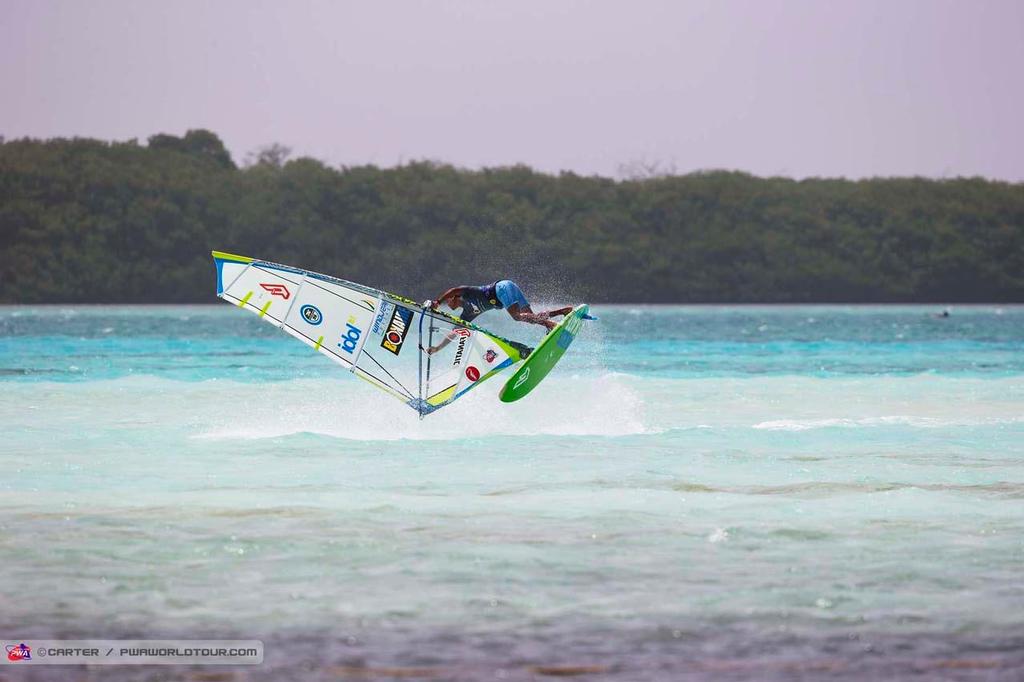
[{"x": 550, "y": 324}]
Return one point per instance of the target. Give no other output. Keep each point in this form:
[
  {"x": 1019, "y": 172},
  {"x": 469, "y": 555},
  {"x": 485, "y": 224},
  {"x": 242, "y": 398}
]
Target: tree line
[{"x": 84, "y": 220}]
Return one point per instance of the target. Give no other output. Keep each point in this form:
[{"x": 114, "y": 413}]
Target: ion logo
[
  {"x": 462, "y": 331},
  {"x": 19, "y": 652},
  {"x": 311, "y": 314},
  {"x": 522, "y": 378},
  {"x": 472, "y": 373},
  {"x": 490, "y": 355},
  {"x": 350, "y": 339},
  {"x": 277, "y": 290},
  {"x": 394, "y": 337}
]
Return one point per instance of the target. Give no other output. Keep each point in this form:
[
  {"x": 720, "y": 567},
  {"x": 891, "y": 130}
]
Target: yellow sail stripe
[
  {"x": 245, "y": 299},
  {"x": 443, "y": 396},
  {"x": 230, "y": 256}
]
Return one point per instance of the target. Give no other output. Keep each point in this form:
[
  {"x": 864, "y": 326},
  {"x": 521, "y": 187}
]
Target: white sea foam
[
  {"x": 893, "y": 420},
  {"x": 584, "y": 404},
  {"x": 572, "y": 406}
]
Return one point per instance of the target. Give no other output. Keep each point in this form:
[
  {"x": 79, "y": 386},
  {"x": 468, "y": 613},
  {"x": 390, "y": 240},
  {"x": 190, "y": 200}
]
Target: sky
[{"x": 800, "y": 88}]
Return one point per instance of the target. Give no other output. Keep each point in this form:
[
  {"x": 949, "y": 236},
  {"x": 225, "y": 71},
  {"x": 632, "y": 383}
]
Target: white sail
[{"x": 379, "y": 336}]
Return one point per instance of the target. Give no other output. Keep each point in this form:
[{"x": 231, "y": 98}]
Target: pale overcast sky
[{"x": 791, "y": 87}]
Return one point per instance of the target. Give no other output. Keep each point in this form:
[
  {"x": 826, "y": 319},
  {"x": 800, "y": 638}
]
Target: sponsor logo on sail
[
  {"x": 277, "y": 290},
  {"x": 472, "y": 373},
  {"x": 378, "y": 321},
  {"x": 350, "y": 336},
  {"x": 490, "y": 355},
  {"x": 394, "y": 337},
  {"x": 459, "y": 352},
  {"x": 463, "y": 334},
  {"x": 311, "y": 314}
]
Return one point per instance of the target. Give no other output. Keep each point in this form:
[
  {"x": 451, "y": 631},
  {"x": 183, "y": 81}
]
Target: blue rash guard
[{"x": 477, "y": 300}]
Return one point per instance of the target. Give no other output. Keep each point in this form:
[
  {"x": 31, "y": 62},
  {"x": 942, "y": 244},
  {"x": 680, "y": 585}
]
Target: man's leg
[{"x": 526, "y": 314}]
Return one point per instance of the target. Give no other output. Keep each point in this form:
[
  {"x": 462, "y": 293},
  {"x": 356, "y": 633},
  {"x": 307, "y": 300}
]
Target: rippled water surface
[{"x": 695, "y": 493}]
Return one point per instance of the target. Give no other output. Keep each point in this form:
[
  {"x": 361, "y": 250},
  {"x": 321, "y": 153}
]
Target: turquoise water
[{"x": 696, "y": 492}]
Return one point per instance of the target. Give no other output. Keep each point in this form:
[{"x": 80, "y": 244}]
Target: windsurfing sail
[{"x": 380, "y": 337}]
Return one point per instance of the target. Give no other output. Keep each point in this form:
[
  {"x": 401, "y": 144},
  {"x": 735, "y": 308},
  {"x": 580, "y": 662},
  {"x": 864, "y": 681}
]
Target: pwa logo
[
  {"x": 472, "y": 373},
  {"x": 19, "y": 652},
  {"x": 277, "y": 290},
  {"x": 394, "y": 337},
  {"x": 350, "y": 339}
]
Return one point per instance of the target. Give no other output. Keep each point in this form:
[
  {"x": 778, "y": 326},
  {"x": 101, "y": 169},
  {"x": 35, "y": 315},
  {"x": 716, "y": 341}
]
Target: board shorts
[{"x": 509, "y": 293}]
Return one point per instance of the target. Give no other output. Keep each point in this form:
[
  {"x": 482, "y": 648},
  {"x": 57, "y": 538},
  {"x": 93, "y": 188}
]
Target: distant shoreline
[{"x": 94, "y": 221}]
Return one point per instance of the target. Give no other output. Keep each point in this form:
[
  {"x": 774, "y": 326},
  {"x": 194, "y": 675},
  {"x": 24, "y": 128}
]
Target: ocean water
[{"x": 695, "y": 493}]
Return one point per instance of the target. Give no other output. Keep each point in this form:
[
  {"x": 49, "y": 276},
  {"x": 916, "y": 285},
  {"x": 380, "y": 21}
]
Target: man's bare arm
[
  {"x": 446, "y": 295},
  {"x": 451, "y": 336}
]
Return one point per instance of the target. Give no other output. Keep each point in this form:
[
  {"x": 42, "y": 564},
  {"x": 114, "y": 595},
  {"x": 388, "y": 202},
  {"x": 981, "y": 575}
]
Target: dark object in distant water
[{"x": 944, "y": 313}]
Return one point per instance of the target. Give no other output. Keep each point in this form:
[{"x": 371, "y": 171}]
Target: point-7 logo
[
  {"x": 277, "y": 290},
  {"x": 19, "y": 652}
]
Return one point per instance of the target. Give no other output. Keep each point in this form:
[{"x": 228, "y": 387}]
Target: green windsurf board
[{"x": 545, "y": 356}]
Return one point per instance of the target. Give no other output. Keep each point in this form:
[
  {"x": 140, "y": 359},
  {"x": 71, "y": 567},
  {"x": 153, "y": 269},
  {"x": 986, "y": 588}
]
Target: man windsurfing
[{"x": 503, "y": 294}]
